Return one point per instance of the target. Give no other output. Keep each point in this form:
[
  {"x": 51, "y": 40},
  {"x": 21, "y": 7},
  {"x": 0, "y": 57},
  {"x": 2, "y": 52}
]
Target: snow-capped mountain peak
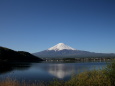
[{"x": 61, "y": 46}]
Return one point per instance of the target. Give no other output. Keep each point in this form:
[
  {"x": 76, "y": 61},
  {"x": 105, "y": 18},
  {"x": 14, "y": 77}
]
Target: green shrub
[
  {"x": 56, "y": 82},
  {"x": 89, "y": 78},
  {"x": 110, "y": 72}
]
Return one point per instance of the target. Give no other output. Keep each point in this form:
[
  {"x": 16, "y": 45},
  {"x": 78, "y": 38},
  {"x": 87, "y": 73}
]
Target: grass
[
  {"x": 14, "y": 82},
  {"x": 105, "y": 77}
]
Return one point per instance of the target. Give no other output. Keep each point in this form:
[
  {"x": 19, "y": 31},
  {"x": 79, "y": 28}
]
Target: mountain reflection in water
[
  {"x": 60, "y": 70},
  {"x": 46, "y": 71}
]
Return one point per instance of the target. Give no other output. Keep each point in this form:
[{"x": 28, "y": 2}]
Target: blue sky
[{"x": 35, "y": 25}]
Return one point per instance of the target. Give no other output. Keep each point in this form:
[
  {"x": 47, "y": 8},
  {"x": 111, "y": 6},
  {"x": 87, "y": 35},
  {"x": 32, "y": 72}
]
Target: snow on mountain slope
[{"x": 61, "y": 46}]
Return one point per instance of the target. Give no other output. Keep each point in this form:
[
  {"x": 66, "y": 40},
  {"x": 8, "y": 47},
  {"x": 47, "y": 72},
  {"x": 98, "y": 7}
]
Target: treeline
[{"x": 81, "y": 59}]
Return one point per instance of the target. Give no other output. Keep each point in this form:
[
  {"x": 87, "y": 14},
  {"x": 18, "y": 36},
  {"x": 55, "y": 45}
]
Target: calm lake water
[{"x": 46, "y": 71}]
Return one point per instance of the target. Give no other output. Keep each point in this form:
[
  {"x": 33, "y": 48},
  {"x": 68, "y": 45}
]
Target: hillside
[{"x": 11, "y": 55}]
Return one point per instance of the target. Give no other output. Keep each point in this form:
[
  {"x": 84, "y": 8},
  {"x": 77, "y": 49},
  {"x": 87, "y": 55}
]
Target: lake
[{"x": 46, "y": 71}]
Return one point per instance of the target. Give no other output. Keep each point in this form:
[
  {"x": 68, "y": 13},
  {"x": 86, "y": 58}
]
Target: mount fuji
[
  {"x": 61, "y": 46},
  {"x": 62, "y": 50}
]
